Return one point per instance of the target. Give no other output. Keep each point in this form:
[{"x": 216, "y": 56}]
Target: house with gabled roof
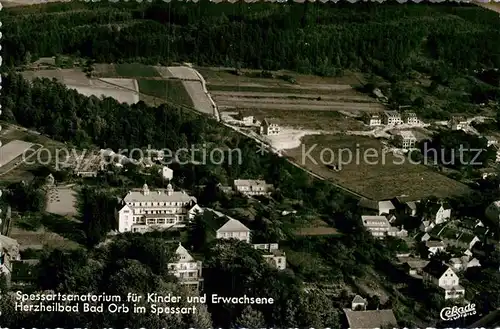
[
  {"x": 440, "y": 212},
  {"x": 358, "y": 303},
  {"x": 233, "y": 229},
  {"x": 186, "y": 268},
  {"x": 435, "y": 246},
  {"x": 445, "y": 277}
]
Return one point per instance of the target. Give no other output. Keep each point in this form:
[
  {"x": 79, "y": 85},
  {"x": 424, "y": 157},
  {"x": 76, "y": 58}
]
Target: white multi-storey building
[
  {"x": 392, "y": 118},
  {"x": 445, "y": 277},
  {"x": 406, "y": 139},
  {"x": 380, "y": 227},
  {"x": 410, "y": 118},
  {"x": 186, "y": 268},
  {"x": 373, "y": 119},
  {"x": 270, "y": 127},
  {"x": 251, "y": 187},
  {"x": 146, "y": 210}
]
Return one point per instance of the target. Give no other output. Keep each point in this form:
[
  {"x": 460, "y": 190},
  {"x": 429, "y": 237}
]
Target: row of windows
[{"x": 152, "y": 204}]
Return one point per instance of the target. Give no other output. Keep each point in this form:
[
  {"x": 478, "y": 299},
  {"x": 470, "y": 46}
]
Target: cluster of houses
[
  {"x": 391, "y": 118},
  {"x": 438, "y": 232},
  {"x": 268, "y": 126}
]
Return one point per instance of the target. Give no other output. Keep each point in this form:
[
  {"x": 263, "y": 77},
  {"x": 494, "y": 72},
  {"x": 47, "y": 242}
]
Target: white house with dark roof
[
  {"x": 435, "y": 246},
  {"x": 186, "y": 268},
  {"x": 392, "y": 118},
  {"x": 445, "y": 277},
  {"x": 405, "y": 139},
  {"x": 410, "y": 118},
  {"x": 234, "y": 229},
  {"x": 440, "y": 213},
  {"x": 251, "y": 187},
  {"x": 144, "y": 210},
  {"x": 373, "y": 119}
]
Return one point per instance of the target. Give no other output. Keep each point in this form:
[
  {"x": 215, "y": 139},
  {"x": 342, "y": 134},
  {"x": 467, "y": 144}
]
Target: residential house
[
  {"x": 392, "y": 118},
  {"x": 272, "y": 254},
  {"x": 463, "y": 240},
  {"x": 186, "y": 268},
  {"x": 490, "y": 140},
  {"x": 370, "y": 319},
  {"x": 474, "y": 262},
  {"x": 415, "y": 266},
  {"x": 435, "y": 246},
  {"x": 233, "y": 229},
  {"x": 406, "y": 140},
  {"x": 445, "y": 277},
  {"x": 250, "y": 187},
  {"x": 373, "y": 119},
  {"x": 247, "y": 120},
  {"x": 458, "y": 123},
  {"x": 270, "y": 127},
  {"x": 412, "y": 208},
  {"x": 380, "y": 227},
  {"x": 379, "y": 207},
  {"x": 425, "y": 237},
  {"x": 144, "y": 210},
  {"x": 358, "y": 303},
  {"x": 9, "y": 253},
  {"x": 427, "y": 226},
  {"x": 439, "y": 212},
  {"x": 497, "y": 150},
  {"x": 167, "y": 173},
  {"x": 410, "y": 118}
]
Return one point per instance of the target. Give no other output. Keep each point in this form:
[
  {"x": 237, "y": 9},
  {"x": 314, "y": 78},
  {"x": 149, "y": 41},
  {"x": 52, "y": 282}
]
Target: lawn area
[
  {"x": 170, "y": 90},
  {"x": 369, "y": 171},
  {"x": 135, "y": 70}
]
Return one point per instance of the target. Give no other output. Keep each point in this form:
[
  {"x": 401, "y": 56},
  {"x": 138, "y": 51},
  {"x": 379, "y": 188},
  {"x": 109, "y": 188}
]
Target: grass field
[
  {"x": 170, "y": 90},
  {"x": 135, "y": 71},
  {"x": 370, "y": 172}
]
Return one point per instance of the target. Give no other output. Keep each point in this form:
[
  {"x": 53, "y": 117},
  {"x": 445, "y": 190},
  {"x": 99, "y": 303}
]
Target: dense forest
[{"x": 389, "y": 39}]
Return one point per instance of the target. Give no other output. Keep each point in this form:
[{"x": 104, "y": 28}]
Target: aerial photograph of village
[{"x": 261, "y": 164}]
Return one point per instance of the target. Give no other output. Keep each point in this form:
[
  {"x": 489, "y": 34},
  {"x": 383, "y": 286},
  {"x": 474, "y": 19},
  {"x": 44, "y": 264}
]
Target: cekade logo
[{"x": 455, "y": 312}]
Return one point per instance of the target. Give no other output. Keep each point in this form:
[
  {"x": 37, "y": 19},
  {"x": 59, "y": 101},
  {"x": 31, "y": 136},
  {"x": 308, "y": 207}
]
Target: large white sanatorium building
[{"x": 144, "y": 210}]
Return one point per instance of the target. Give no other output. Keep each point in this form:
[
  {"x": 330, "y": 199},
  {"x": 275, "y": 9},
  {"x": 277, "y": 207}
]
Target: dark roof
[
  {"x": 370, "y": 319},
  {"x": 435, "y": 268}
]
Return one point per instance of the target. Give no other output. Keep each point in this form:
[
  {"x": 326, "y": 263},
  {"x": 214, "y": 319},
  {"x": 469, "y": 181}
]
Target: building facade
[
  {"x": 380, "y": 227},
  {"x": 186, "y": 268},
  {"x": 272, "y": 254},
  {"x": 145, "y": 210},
  {"x": 250, "y": 187},
  {"x": 406, "y": 140},
  {"x": 234, "y": 229},
  {"x": 392, "y": 118},
  {"x": 270, "y": 127},
  {"x": 410, "y": 118},
  {"x": 445, "y": 277},
  {"x": 373, "y": 119}
]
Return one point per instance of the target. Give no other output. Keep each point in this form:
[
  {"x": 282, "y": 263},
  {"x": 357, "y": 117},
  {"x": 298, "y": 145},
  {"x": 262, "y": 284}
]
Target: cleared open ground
[
  {"x": 61, "y": 201},
  {"x": 13, "y": 150},
  {"x": 371, "y": 173}
]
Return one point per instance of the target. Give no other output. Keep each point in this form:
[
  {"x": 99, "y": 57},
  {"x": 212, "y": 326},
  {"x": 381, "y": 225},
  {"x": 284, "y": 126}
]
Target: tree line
[{"x": 312, "y": 38}]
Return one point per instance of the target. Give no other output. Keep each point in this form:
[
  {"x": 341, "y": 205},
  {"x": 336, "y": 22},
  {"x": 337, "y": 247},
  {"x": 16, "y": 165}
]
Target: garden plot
[{"x": 13, "y": 150}]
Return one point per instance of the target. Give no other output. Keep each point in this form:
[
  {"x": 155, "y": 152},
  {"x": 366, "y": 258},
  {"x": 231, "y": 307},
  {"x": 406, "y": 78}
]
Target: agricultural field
[
  {"x": 367, "y": 170},
  {"x": 123, "y": 90},
  {"x": 135, "y": 70},
  {"x": 170, "y": 90},
  {"x": 295, "y": 101}
]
